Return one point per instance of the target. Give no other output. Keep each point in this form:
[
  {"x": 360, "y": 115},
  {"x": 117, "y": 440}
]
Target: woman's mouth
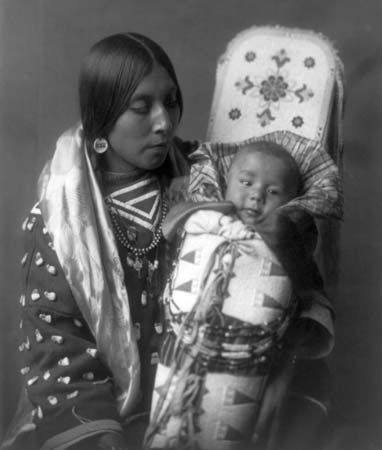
[
  {"x": 159, "y": 146},
  {"x": 156, "y": 153}
]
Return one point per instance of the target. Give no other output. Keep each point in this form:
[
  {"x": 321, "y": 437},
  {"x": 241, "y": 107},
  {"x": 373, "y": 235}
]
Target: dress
[{"x": 79, "y": 347}]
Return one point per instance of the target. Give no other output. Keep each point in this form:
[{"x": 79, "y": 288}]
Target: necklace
[{"x": 136, "y": 251}]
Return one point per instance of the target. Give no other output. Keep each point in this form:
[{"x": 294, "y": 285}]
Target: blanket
[{"x": 229, "y": 305}]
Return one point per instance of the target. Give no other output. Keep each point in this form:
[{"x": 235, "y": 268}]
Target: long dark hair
[{"x": 110, "y": 74}]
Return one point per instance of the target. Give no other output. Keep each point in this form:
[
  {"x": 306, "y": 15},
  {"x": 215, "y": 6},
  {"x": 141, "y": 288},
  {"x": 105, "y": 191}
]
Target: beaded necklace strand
[{"x": 121, "y": 236}]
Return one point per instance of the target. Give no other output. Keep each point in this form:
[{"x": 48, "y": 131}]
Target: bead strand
[{"x": 124, "y": 241}]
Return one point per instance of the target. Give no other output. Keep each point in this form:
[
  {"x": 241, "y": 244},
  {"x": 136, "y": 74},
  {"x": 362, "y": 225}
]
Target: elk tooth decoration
[
  {"x": 52, "y": 400},
  {"x": 38, "y": 335},
  {"x": 45, "y": 317},
  {"x": 57, "y": 339},
  {"x": 64, "y": 380},
  {"x": 24, "y": 259},
  {"x": 39, "y": 261},
  {"x": 72, "y": 395},
  {"x": 25, "y": 370},
  {"x": 51, "y": 296},
  {"x": 51, "y": 269},
  {"x": 63, "y": 361},
  {"x": 93, "y": 352},
  {"x": 32, "y": 380},
  {"x": 35, "y": 295}
]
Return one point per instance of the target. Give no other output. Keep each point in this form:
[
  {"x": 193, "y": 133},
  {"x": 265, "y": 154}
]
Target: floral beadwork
[
  {"x": 297, "y": 121},
  {"x": 272, "y": 89},
  {"x": 234, "y": 114},
  {"x": 250, "y": 56},
  {"x": 304, "y": 93},
  {"x": 281, "y": 58},
  {"x": 265, "y": 117},
  {"x": 244, "y": 85},
  {"x": 309, "y": 62}
]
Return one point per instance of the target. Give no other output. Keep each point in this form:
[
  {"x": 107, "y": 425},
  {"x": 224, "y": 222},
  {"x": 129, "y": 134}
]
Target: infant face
[{"x": 258, "y": 183}]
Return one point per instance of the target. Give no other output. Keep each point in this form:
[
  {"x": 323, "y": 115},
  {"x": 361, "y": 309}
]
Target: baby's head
[{"x": 262, "y": 177}]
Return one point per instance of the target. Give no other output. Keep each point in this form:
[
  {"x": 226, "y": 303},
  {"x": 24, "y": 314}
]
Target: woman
[{"x": 95, "y": 260}]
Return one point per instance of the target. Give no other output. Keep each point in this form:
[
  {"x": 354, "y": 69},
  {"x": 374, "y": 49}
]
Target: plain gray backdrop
[{"x": 41, "y": 46}]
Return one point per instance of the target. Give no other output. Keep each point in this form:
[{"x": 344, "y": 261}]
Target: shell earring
[{"x": 100, "y": 145}]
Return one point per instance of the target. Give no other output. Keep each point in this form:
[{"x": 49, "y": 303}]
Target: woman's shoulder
[{"x": 43, "y": 278}]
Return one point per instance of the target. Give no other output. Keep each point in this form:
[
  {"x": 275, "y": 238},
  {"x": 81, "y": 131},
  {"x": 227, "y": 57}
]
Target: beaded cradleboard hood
[{"x": 274, "y": 78}]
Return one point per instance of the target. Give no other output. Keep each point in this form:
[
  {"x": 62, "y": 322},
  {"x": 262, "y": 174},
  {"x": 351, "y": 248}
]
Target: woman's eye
[
  {"x": 172, "y": 102},
  {"x": 140, "y": 107},
  {"x": 245, "y": 182}
]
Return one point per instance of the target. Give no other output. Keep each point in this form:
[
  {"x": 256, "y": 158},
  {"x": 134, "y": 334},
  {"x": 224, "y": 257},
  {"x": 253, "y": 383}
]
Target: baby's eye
[{"x": 272, "y": 191}]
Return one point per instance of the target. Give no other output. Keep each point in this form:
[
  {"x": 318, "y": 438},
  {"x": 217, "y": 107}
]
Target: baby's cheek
[{"x": 277, "y": 202}]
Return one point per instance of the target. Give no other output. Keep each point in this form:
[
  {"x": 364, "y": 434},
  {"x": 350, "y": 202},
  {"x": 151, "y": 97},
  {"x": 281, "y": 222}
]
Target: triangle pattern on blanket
[
  {"x": 236, "y": 397},
  {"x": 186, "y": 287},
  {"x": 228, "y": 433},
  {"x": 276, "y": 271},
  {"x": 189, "y": 257},
  {"x": 266, "y": 301},
  {"x": 269, "y": 268},
  {"x": 161, "y": 390},
  {"x": 270, "y": 302}
]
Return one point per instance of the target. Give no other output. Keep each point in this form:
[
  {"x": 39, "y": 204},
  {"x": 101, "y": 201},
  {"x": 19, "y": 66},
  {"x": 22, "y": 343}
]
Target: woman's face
[{"x": 142, "y": 135}]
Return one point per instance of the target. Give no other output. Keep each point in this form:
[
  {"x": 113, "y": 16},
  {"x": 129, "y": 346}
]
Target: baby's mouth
[
  {"x": 252, "y": 214},
  {"x": 252, "y": 211}
]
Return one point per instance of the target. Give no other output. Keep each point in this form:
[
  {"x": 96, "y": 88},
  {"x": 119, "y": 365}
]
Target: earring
[{"x": 100, "y": 145}]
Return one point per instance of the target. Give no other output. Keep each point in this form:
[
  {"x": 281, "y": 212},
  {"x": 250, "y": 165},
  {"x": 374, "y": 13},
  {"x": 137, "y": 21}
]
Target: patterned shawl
[{"x": 72, "y": 205}]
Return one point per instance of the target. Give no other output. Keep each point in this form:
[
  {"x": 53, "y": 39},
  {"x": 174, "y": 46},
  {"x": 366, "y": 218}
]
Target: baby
[
  {"x": 242, "y": 273},
  {"x": 263, "y": 177}
]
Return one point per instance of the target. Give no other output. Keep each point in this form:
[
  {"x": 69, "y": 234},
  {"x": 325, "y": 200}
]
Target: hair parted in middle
[{"x": 110, "y": 73}]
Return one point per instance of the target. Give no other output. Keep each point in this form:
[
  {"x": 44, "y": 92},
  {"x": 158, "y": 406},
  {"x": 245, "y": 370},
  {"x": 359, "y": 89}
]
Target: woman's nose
[{"x": 161, "y": 120}]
